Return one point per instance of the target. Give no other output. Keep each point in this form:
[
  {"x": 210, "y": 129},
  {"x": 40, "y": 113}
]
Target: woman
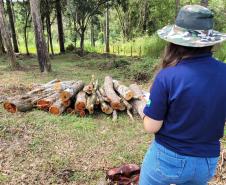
[{"x": 187, "y": 105}]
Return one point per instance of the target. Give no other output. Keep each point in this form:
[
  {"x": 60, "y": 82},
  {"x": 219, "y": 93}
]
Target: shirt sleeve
[{"x": 156, "y": 107}]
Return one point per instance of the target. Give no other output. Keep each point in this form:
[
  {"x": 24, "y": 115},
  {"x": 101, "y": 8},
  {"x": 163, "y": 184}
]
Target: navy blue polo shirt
[{"x": 191, "y": 100}]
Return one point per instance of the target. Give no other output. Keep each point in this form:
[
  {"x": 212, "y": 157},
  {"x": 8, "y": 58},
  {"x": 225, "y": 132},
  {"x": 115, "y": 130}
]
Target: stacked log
[{"x": 75, "y": 97}]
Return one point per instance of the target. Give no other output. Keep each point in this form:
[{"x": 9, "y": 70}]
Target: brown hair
[{"x": 174, "y": 53}]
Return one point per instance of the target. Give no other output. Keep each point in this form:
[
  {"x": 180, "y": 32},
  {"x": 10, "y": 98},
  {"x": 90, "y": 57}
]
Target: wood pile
[{"x": 76, "y": 97}]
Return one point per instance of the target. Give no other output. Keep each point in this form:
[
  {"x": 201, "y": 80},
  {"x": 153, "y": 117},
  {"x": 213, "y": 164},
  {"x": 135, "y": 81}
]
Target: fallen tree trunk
[
  {"x": 124, "y": 91},
  {"x": 71, "y": 91},
  {"x": 80, "y": 103},
  {"x": 138, "y": 94},
  {"x": 103, "y": 94},
  {"x": 115, "y": 101},
  {"x": 138, "y": 106},
  {"x": 17, "y": 105},
  {"x": 44, "y": 104},
  {"x": 58, "y": 107},
  {"x": 107, "y": 109},
  {"x": 91, "y": 100}
]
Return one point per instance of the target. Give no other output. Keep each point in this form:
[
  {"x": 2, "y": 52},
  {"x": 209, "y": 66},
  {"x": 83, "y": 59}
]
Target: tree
[
  {"x": 82, "y": 11},
  {"x": 14, "y": 65},
  {"x": 177, "y": 6},
  {"x": 23, "y": 21},
  {"x": 2, "y": 49},
  {"x": 107, "y": 30},
  {"x": 49, "y": 26},
  {"x": 12, "y": 25},
  {"x": 60, "y": 26},
  {"x": 204, "y": 3},
  {"x": 92, "y": 32},
  {"x": 43, "y": 56}
]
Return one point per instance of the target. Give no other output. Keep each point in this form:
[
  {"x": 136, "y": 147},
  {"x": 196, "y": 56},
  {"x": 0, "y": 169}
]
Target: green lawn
[{"x": 36, "y": 147}]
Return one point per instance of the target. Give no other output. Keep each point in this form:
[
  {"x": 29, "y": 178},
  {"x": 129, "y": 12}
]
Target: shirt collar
[{"x": 197, "y": 57}]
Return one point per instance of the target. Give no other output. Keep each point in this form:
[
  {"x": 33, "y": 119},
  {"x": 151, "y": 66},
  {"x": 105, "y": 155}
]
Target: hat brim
[{"x": 190, "y": 38}]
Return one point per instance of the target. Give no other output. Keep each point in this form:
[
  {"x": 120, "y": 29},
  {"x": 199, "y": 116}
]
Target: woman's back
[{"x": 195, "y": 95}]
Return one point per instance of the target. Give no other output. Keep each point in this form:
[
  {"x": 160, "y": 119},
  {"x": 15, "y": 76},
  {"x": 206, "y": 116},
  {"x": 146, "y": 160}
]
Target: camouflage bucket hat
[{"x": 193, "y": 28}]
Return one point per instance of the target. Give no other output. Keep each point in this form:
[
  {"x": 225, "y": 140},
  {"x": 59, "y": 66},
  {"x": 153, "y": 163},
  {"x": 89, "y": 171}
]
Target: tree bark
[
  {"x": 49, "y": 27},
  {"x": 107, "y": 31},
  {"x": 2, "y": 49},
  {"x": 124, "y": 91},
  {"x": 111, "y": 94},
  {"x": 138, "y": 106},
  {"x": 82, "y": 39},
  {"x": 204, "y": 3},
  {"x": 26, "y": 33},
  {"x": 145, "y": 16},
  {"x": 43, "y": 56},
  {"x": 177, "y": 6},
  {"x": 12, "y": 25},
  {"x": 6, "y": 39},
  {"x": 60, "y": 26},
  {"x": 17, "y": 105},
  {"x": 92, "y": 33}
]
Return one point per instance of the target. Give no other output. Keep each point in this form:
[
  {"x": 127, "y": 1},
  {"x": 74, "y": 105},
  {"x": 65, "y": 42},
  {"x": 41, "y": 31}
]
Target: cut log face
[
  {"x": 57, "y": 108},
  {"x": 124, "y": 91},
  {"x": 111, "y": 94}
]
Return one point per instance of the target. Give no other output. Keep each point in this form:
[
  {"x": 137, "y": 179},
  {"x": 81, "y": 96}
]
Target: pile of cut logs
[{"x": 74, "y": 97}]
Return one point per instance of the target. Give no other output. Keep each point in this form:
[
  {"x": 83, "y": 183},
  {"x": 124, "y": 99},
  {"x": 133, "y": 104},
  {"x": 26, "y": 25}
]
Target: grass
[{"x": 37, "y": 147}]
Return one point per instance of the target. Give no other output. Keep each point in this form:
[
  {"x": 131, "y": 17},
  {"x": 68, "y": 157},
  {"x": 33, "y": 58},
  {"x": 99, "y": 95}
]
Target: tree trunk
[
  {"x": 107, "y": 31},
  {"x": 17, "y": 105},
  {"x": 138, "y": 106},
  {"x": 82, "y": 39},
  {"x": 75, "y": 33},
  {"x": 49, "y": 31},
  {"x": 43, "y": 56},
  {"x": 177, "y": 2},
  {"x": 12, "y": 25},
  {"x": 204, "y": 3},
  {"x": 6, "y": 39},
  {"x": 80, "y": 104},
  {"x": 145, "y": 16},
  {"x": 111, "y": 94},
  {"x": 122, "y": 90},
  {"x": 60, "y": 26},
  {"x": 26, "y": 33},
  {"x": 92, "y": 33},
  {"x": 2, "y": 49}
]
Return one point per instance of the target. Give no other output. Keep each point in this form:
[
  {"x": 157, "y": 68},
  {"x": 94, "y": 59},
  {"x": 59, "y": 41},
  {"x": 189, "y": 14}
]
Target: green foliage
[
  {"x": 145, "y": 70},
  {"x": 220, "y": 52}
]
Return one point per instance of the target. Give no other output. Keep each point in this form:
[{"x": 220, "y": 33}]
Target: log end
[
  {"x": 10, "y": 107},
  {"x": 43, "y": 104},
  {"x": 129, "y": 95},
  {"x": 54, "y": 110}
]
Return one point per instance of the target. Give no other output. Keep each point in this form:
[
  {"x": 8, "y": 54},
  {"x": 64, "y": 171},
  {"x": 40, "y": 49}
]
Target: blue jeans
[{"x": 164, "y": 167}]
